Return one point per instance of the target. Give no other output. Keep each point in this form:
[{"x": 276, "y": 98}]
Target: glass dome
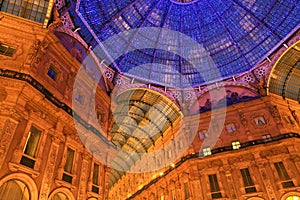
[{"x": 234, "y": 36}]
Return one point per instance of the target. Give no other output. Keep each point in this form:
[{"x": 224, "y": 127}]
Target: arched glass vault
[
  {"x": 236, "y": 34},
  {"x": 285, "y": 76}
]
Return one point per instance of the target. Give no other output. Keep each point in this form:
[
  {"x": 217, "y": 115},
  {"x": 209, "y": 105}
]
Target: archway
[
  {"x": 285, "y": 75},
  {"x": 291, "y": 196},
  {"x": 14, "y": 190},
  {"x": 61, "y": 194},
  {"x": 20, "y": 185}
]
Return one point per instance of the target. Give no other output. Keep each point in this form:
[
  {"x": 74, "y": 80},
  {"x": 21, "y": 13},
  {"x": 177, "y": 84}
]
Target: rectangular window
[
  {"x": 207, "y": 151},
  {"x": 173, "y": 194},
  {"x": 203, "y": 134},
  {"x": 79, "y": 98},
  {"x": 31, "y": 147},
  {"x": 230, "y": 128},
  {"x": 260, "y": 121},
  {"x": 7, "y": 50},
  {"x": 267, "y": 138},
  {"x": 236, "y": 145},
  {"x": 248, "y": 183},
  {"x": 69, "y": 161},
  {"x": 68, "y": 168},
  {"x": 32, "y": 142},
  {"x": 214, "y": 186},
  {"x": 186, "y": 191},
  {"x": 52, "y": 73},
  {"x": 95, "y": 186},
  {"x": 29, "y": 9},
  {"x": 96, "y": 174},
  {"x": 283, "y": 175}
]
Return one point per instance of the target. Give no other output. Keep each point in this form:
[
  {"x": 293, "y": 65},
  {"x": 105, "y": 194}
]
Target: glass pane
[
  {"x": 96, "y": 174},
  {"x": 246, "y": 177},
  {"x": 213, "y": 181},
  {"x": 293, "y": 198},
  {"x": 186, "y": 191},
  {"x": 69, "y": 161},
  {"x": 59, "y": 196},
  {"x": 29, "y": 9},
  {"x": 14, "y": 190},
  {"x": 282, "y": 173},
  {"x": 32, "y": 142}
]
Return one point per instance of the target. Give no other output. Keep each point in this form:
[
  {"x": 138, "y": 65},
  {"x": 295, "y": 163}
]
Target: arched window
[
  {"x": 59, "y": 196},
  {"x": 293, "y": 198},
  {"x": 14, "y": 190}
]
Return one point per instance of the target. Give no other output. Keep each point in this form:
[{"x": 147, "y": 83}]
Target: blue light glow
[{"x": 237, "y": 34}]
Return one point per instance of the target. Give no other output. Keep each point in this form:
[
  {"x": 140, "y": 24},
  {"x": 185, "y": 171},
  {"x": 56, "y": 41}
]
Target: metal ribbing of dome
[{"x": 235, "y": 34}]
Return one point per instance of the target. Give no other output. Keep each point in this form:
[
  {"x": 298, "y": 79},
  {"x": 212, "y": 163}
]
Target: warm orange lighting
[{"x": 140, "y": 187}]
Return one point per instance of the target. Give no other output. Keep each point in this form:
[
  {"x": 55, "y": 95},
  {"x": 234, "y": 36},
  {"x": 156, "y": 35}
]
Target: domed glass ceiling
[{"x": 234, "y": 34}]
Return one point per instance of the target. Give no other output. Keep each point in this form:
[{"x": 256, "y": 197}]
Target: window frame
[
  {"x": 214, "y": 186},
  {"x": 8, "y": 47},
  {"x": 283, "y": 175},
  {"x": 236, "y": 145},
  {"x": 206, "y": 151},
  {"x": 66, "y": 174},
  {"x": 55, "y": 70},
  {"x": 95, "y": 188},
  {"x": 248, "y": 182},
  {"x": 229, "y": 129},
  {"x": 27, "y": 157},
  {"x": 262, "y": 119}
]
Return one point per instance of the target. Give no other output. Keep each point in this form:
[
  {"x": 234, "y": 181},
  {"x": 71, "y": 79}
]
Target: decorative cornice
[
  {"x": 214, "y": 152},
  {"x": 56, "y": 102}
]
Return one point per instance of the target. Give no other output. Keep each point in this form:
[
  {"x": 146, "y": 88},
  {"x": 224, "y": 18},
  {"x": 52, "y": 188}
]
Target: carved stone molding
[
  {"x": 267, "y": 182},
  {"x": 18, "y": 167},
  {"x": 48, "y": 176},
  {"x": 84, "y": 176},
  {"x": 7, "y": 130}
]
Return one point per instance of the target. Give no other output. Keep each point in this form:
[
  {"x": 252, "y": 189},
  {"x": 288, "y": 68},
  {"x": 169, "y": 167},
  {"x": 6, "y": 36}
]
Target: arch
[
  {"x": 27, "y": 180},
  {"x": 291, "y": 194},
  {"x": 64, "y": 191},
  {"x": 255, "y": 198},
  {"x": 285, "y": 75}
]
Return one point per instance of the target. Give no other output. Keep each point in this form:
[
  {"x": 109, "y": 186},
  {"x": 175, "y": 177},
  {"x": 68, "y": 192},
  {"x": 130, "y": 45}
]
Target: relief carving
[
  {"x": 37, "y": 52},
  {"x": 267, "y": 183},
  {"x": 275, "y": 113},
  {"x": 243, "y": 119},
  {"x": 273, "y": 152},
  {"x": 242, "y": 158},
  {"x": 6, "y": 137},
  {"x": 84, "y": 177},
  {"x": 48, "y": 176},
  {"x": 260, "y": 86}
]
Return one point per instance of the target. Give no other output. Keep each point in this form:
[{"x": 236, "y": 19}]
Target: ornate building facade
[{"x": 74, "y": 125}]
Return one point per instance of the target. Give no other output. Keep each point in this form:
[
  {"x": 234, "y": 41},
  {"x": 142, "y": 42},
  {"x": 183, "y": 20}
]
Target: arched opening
[
  {"x": 21, "y": 179},
  {"x": 14, "y": 190},
  {"x": 285, "y": 76},
  {"x": 293, "y": 197},
  {"x": 59, "y": 196}
]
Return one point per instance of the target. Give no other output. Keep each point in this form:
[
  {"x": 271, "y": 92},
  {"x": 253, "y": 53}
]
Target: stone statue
[{"x": 261, "y": 86}]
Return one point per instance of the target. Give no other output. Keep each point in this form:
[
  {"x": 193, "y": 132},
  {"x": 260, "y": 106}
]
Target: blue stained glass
[{"x": 234, "y": 35}]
